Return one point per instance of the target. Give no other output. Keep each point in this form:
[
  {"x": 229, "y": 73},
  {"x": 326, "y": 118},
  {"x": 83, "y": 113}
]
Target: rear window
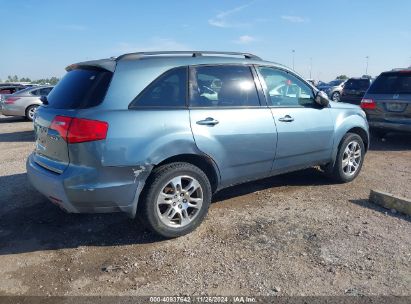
[
  {"x": 357, "y": 84},
  {"x": 79, "y": 89},
  {"x": 392, "y": 83}
]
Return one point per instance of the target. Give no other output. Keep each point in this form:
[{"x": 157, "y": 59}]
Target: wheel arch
[
  {"x": 349, "y": 123},
  {"x": 362, "y": 133},
  {"x": 28, "y": 106},
  {"x": 204, "y": 162}
]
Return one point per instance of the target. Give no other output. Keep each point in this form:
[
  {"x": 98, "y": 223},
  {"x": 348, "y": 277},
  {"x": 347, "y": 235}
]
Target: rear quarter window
[
  {"x": 357, "y": 84},
  {"x": 80, "y": 88},
  {"x": 168, "y": 91}
]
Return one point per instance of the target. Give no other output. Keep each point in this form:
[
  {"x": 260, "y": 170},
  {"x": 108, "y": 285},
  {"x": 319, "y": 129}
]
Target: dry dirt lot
[{"x": 295, "y": 234}]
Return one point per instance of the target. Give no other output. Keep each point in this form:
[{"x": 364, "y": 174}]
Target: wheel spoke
[
  {"x": 345, "y": 162},
  {"x": 192, "y": 187},
  {"x": 184, "y": 217},
  {"x": 176, "y": 183},
  {"x": 164, "y": 199},
  {"x": 171, "y": 213},
  {"x": 198, "y": 202}
]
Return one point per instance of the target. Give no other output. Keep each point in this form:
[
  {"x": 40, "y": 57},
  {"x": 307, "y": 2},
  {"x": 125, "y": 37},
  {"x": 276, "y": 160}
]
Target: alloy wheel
[
  {"x": 351, "y": 159},
  {"x": 179, "y": 201}
]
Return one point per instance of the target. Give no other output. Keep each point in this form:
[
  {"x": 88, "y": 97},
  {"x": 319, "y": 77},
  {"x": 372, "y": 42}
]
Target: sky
[{"x": 329, "y": 38}]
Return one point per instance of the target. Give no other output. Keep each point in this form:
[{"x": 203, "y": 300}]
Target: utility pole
[
  {"x": 293, "y": 51},
  {"x": 311, "y": 66},
  {"x": 366, "y": 67}
]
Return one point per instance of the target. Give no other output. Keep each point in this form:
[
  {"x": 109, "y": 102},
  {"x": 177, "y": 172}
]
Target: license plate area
[{"x": 395, "y": 107}]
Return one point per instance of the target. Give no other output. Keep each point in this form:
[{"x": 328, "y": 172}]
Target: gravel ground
[{"x": 295, "y": 234}]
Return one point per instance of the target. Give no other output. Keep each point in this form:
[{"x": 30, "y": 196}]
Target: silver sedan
[{"x": 24, "y": 102}]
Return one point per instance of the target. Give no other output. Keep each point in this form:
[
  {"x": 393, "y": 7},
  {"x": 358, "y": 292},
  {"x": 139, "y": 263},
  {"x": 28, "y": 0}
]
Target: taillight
[
  {"x": 82, "y": 130},
  {"x": 77, "y": 130},
  {"x": 368, "y": 104},
  {"x": 61, "y": 124},
  {"x": 11, "y": 100}
]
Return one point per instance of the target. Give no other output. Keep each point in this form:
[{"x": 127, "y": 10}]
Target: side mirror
[{"x": 322, "y": 99}]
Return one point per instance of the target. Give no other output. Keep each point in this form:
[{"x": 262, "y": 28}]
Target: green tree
[
  {"x": 342, "y": 77},
  {"x": 53, "y": 80}
]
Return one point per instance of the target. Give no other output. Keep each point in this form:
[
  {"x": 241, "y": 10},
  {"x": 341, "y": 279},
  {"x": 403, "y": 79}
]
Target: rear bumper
[
  {"x": 89, "y": 191},
  {"x": 390, "y": 126}
]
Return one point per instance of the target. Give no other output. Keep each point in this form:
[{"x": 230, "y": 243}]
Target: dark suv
[
  {"x": 354, "y": 90},
  {"x": 387, "y": 103}
]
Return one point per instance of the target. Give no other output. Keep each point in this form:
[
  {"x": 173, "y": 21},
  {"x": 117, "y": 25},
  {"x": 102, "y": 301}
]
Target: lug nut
[
  {"x": 179, "y": 206},
  {"x": 174, "y": 204},
  {"x": 184, "y": 201}
]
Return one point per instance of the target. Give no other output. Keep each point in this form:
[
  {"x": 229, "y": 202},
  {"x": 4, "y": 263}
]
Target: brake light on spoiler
[{"x": 78, "y": 130}]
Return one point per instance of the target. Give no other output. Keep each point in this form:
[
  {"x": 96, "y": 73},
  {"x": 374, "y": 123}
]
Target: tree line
[{"x": 51, "y": 81}]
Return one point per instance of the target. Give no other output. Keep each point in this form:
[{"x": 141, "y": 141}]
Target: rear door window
[
  {"x": 80, "y": 88},
  {"x": 223, "y": 86},
  {"x": 392, "y": 83}
]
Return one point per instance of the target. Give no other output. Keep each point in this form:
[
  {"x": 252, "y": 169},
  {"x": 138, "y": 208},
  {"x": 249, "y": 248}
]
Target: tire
[
  {"x": 336, "y": 96},
  {"x": 170, "y": 210},
  {"x": 342, "y": 170},
  {"x": 30, "y": 112}
]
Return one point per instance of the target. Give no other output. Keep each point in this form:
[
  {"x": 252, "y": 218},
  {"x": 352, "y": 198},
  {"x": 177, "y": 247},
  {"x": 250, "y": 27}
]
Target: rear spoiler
[{"x": 106, "y": 64}]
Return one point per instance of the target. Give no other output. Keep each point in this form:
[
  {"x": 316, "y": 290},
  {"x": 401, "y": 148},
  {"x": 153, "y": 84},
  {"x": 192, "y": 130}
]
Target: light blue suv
[{"x": 156, "y": 134}]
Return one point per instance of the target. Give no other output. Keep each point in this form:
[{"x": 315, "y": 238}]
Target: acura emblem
[{"x": 396, "y": 96}]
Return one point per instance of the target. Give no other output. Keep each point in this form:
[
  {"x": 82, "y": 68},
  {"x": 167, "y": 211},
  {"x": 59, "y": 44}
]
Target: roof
[{"x": 178, "y": 58}]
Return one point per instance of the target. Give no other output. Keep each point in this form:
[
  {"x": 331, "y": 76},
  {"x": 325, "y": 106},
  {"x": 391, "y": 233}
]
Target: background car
[
  {"x": 387, "y": 102},
  {"x": 333, "y": 88},
  {"x": 312, "y": 81},
  {"x": 354, "y": 90},
  {"x": 24, "y": 102},
  {"x": 8, "y": 89}
]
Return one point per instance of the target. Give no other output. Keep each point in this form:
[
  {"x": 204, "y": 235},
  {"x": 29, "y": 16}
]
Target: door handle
[
  {"x": 209, "y": 121},
  {"x": 286, "y": 118}
]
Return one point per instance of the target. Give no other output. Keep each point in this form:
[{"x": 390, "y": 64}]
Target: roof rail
[{"x": 192, "y": 53}]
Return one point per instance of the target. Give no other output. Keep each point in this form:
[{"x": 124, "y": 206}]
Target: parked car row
[
  {"x": 24, "y": 102},
  {"x": 386, "y": 100}
]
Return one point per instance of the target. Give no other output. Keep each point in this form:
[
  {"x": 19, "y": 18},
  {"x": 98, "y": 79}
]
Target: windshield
[
  {"x": 79, "y": 89},
  {"x": 392, "y": 83}
]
